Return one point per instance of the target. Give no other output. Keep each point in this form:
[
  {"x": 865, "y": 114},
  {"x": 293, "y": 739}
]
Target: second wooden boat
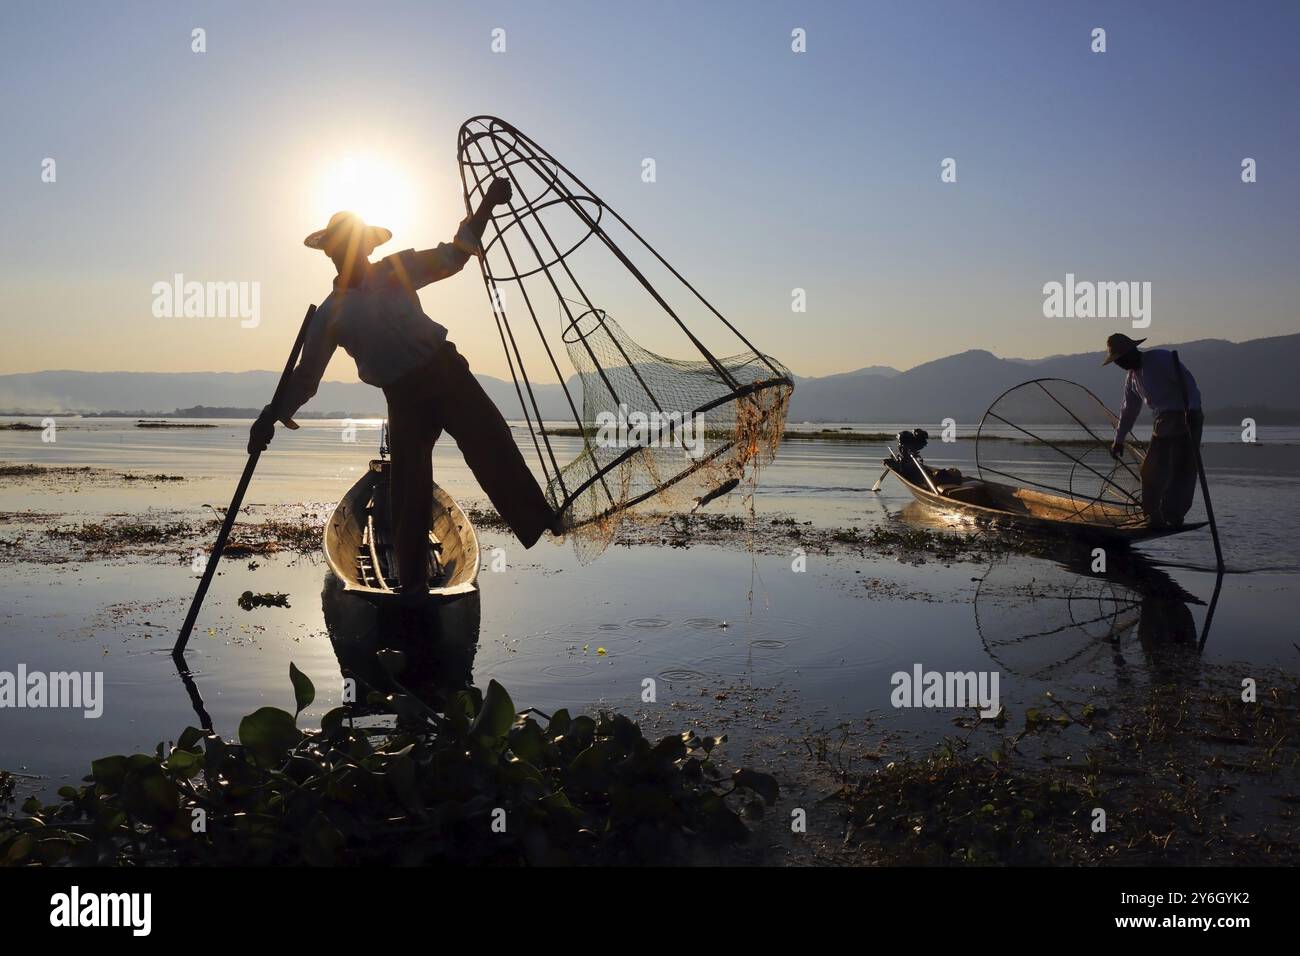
[{"x": 1038, "y": 511}]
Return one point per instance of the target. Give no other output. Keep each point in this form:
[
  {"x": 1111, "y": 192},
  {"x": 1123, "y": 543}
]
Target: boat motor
[{"x": 911, "y": 442}]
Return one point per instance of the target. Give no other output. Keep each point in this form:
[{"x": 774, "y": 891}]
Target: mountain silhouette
[{"x": 1235, "y": 378}]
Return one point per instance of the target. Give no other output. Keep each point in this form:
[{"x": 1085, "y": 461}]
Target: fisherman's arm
[
  {"x": 1128, "y": 413},
  {"x": 449, "y": 258},
  {"x": 303, "y": 382}
]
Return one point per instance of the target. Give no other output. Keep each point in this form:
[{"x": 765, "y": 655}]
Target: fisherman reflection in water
[
  {"x": 1169, "y": 470},
  {"x": 374, "y": 312}
]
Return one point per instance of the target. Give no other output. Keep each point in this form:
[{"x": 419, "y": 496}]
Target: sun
[{"x": 376, "y": 189}]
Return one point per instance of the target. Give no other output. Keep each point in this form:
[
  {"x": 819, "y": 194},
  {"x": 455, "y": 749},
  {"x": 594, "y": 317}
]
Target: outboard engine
[{"x": 911, "y": 442}]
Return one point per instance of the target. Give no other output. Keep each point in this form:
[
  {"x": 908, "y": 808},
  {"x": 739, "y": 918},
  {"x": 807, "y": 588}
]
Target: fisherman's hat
[
  {"x": 1119, "y": 345},
  {"x": 347, "y": 224}
]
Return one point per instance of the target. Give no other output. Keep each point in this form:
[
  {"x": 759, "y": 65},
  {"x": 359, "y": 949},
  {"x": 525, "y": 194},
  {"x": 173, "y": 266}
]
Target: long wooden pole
[
  {"x": 232, "y": 512},
  {"x": 1200, "y": 465}
]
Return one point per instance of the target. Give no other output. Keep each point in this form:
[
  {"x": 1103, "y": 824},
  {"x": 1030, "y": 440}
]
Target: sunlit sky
[{"x": 775, "y": 170}]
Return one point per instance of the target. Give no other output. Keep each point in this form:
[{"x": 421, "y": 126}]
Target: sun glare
[{"x": 375, "y": 189}]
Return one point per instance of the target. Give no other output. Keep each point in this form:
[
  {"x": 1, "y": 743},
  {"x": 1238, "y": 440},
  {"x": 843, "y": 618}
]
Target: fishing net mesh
[
  {"x": 1053, "y": 437},
  {"x": 640, "y": 448},
  {"x": 642, "y": 428}
]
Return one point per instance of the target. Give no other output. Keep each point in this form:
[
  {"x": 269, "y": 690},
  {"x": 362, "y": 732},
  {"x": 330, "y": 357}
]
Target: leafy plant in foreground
[{"x": 476, "y": 783}]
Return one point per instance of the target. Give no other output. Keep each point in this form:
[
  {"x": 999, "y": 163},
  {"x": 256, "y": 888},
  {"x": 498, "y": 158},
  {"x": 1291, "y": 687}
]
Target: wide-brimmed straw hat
[
  {"x": 344, "y": 224},
  {"x": 1119, "y": 345}
]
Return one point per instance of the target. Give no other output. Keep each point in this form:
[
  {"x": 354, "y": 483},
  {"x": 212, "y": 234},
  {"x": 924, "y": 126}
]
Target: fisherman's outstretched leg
[{"x": 484, "y": 438}]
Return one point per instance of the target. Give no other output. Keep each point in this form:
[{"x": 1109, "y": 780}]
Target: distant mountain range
[
  {"x": 1235, "y": 378},
  {"x": 1258, "y": 377}
]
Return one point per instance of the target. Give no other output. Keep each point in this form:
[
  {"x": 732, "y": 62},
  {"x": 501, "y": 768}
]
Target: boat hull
[
  {"x": 358, "y": 543},
  {"x": 1029, "y": 510}
]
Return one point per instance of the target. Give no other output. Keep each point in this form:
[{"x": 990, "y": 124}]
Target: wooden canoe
[
  {"x": 359, "y": 549},
  {"x": 1026, "y": 508}
]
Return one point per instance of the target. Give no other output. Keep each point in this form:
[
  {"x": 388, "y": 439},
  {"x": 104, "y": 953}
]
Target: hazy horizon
[{"x": 1151, "y": 343}]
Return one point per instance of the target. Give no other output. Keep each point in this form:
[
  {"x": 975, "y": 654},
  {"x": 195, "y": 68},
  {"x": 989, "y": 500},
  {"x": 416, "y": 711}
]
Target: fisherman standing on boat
[
  {"x": 375, "y": 314},
  {"x": 1169, "y": 470}
]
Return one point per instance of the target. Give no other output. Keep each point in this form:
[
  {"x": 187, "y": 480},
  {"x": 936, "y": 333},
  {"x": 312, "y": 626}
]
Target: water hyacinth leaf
[
  {"x": 721, "y": 822},
  {"x": 215, "y": 750},
  {"x": 763, "y": 784},
  {"x": 149, "y": 795},
  {"x": 523, "y": 770},
  {"x": 332, "y": 722},
  {"x": 460, "y": 710},
  {"x": 400, "y": 774},
  {"x": 670, "y": 748},
  {"x": 304, "y": 691},
  {"x": 591, "y": 766},
  {"x": 527, "y": 741},
  {"x": 582, "y": 731},
  {"x": 496, "y": 715},
  {"x": 19, "y": 849},
  {"x": 189, "y": 738},
  {"x": 268, "y": 733},
  {"x": 52, "y": 851},
  {"x": 559, "y": 723},
  {"x": 624, "y": 731},
  {"x": 109, "y": 772},
  {"x": 184, "y": 762},
  {"x": 559, "y": 805}
]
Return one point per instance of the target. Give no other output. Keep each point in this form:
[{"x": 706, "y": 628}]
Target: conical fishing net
[
  {"x": 628, "y": 425},
  {"x": 1053, "y": 437}
]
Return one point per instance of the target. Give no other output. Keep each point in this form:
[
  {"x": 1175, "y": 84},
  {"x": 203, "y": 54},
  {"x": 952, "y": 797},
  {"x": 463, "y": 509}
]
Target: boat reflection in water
[
  {"x": 1052, "y": 620},
  {"x": 438, "y": 642}
]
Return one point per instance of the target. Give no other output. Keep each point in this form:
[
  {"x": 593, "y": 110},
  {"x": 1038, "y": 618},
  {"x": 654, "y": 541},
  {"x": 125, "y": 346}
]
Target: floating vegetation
[
  {"x": 77, "y": 472},
  {"x": 248, "y": 600},
  {"x": 1183, "y": 774},
  {"x": 432, "y": 788},
  {"x": 271, "y": 536},
  {"x": 10, "y": 470},
  {"x": 157, "y": 424},
  {"x": 104, "y": 537}
]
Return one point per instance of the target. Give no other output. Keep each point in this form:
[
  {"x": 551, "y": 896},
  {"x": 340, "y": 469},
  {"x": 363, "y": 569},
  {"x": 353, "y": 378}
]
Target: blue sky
[{"x": 775, "y": 170}]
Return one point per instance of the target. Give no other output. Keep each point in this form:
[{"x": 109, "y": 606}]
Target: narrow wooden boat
[
  {"x": 359, "y": 548},
  {"x": 1025, "y": 508}
]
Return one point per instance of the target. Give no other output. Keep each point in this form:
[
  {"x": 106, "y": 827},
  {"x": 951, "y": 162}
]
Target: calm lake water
[{"x": 734, "y": 641}]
